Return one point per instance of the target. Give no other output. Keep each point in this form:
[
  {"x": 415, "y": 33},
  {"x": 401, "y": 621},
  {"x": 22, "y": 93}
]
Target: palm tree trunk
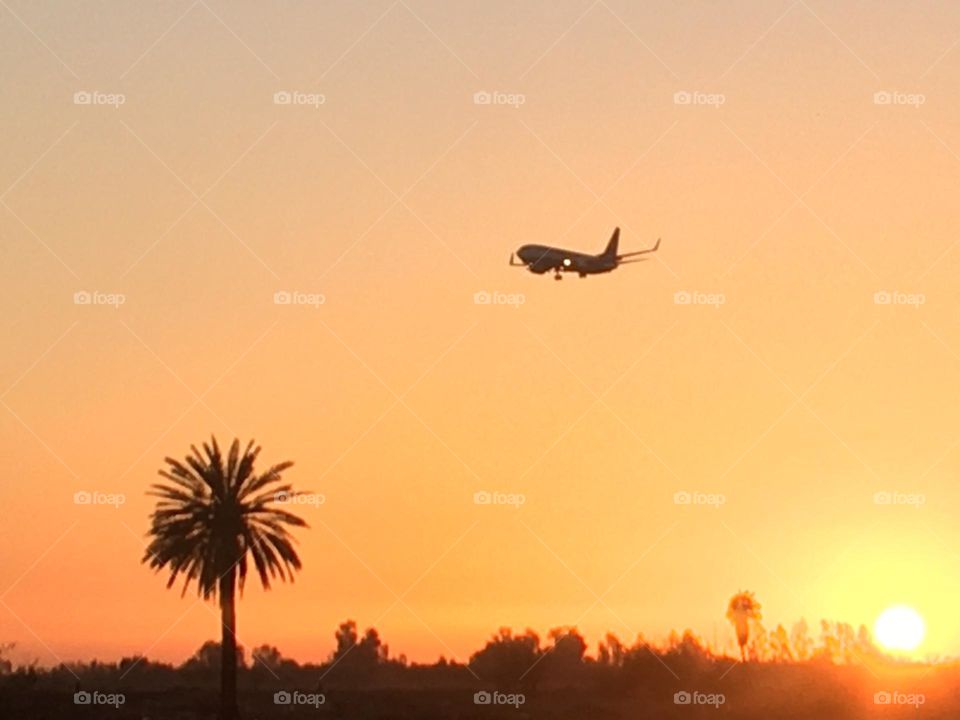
[{"x": 228, "y": 647}]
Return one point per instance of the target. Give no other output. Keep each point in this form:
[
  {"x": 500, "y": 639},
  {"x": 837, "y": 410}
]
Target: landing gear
[{"x": 558, "y": 276}]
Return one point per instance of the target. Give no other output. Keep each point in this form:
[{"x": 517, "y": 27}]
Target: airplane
[{"x": 542, "y": 258}]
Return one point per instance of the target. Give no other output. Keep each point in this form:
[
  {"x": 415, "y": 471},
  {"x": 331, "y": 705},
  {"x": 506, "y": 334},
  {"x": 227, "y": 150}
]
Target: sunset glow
[{"x": 319, "y": 227}]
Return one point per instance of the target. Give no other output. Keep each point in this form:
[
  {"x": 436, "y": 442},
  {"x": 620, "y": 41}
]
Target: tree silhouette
[
  {"x": 6, "y": 667},
  {"x": 215, "y": 515},
  {"x": 742, "y": 610},
  {"x": 357, "y": 659},
  {"x": 509, "y": 660},
  {"x": 563, "y": 661},
  {"x": 780, "y": 645},
  {"x": 203, "y": 666},
  {"x": 800, "y": 640}
]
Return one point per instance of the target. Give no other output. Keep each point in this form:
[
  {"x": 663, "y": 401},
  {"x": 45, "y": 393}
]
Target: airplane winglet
[{"x": 640, "y": 252}]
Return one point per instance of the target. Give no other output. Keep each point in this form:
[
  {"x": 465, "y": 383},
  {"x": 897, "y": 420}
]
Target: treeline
[{"x": 507, "y": 661}]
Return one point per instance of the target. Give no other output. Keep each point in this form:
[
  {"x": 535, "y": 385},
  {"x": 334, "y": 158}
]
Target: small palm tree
[
  {"x": 212, "y": 516},
  {"x": 742, "y": 610}
]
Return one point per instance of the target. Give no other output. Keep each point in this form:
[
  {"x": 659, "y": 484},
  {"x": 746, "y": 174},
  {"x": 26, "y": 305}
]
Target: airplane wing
[{"x": 638, "y": 252}]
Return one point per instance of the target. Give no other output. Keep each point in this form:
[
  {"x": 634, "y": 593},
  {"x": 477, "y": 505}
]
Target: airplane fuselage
[{"x": 542, "y": 258}]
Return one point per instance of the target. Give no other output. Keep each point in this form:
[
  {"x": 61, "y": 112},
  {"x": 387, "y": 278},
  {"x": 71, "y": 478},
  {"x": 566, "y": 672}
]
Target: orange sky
[{"x": 797, "y": 399}]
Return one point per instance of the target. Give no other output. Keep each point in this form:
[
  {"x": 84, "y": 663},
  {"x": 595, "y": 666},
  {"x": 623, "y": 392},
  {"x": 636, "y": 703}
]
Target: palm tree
[
  {"x": 210, "y": 518},
  {"x": 742, "y": 610}
]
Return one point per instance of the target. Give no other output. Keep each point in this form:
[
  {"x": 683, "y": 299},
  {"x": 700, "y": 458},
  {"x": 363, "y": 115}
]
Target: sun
[{"x": 900, "y": 628}]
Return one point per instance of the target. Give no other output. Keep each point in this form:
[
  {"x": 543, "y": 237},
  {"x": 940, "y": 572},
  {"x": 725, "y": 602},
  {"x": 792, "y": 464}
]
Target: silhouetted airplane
[{"x": 542, "y": 258}]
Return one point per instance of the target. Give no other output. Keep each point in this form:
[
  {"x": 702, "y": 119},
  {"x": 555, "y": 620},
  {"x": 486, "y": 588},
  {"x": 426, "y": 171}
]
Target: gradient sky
[{"x": 798, "y": 399}]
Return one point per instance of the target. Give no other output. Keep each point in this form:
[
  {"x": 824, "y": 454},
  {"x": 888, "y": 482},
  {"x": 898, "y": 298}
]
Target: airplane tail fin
[{"x": 611, "y": 250}]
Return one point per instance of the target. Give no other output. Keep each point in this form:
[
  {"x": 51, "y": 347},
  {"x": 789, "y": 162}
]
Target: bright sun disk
[{"x": 900, "y": 628}]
